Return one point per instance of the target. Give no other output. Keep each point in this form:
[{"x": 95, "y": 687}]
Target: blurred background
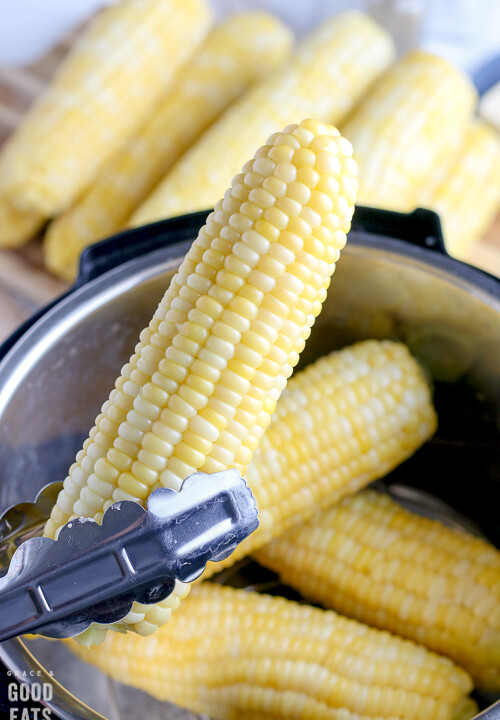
[
  {"x": 466, "y": 32},
  {"x": 36, "y": 37}
]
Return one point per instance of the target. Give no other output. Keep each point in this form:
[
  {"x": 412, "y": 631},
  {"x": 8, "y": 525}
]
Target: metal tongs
[{"x": 93, "y": 573}]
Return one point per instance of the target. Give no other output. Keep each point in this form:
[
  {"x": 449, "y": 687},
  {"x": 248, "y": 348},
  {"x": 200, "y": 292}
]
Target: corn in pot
[
  {"x": 374, "y": 560},
  {"x": 236, "y": 654}
]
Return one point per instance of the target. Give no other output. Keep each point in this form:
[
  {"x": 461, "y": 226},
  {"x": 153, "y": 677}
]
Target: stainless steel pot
[{"x": 394, "y": 280}]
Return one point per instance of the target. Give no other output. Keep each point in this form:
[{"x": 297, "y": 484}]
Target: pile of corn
[
  {"x": 127, "y": 131},
  {"x": 202, "y": 389}
]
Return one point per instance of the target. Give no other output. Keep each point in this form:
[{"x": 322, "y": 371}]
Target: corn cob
[
  {"x": 203, "y": 383},
  {"x": 325, "y": 78},
  {"x": 16, "y": 226},
  {"x": 231, "y": 654},
  {"x": 244, "y": 47},
  {"x": 375, "y": 561},
  {"x": 103, "y": 92},
  {"x": 469, "y": 197},
  {"x": 410, "y": 124},
  {"x": 344, "y": 421}
]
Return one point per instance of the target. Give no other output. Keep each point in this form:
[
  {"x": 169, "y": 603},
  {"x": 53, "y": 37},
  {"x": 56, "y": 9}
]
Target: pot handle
[
  {"x": 131, "y": 244},
  {"x": 421, "y": 227}
]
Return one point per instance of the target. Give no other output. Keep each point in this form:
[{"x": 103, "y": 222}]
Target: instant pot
[{"x": 394, "y": 280}]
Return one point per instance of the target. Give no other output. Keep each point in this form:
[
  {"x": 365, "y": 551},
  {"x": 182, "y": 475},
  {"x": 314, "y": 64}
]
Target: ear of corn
[
  {"x": 408, "y": 127},
  {"x": 16, "y": 226},
  {"x": 469, "y": 196},
  {"x": 205, "y": 378},
  {"x": 373, "y": 560},
  {"x": 325, "y": 78},
  {"x": 103, "y": 92},
  {"x": 344, "y": 421},
  {"x": 231, "y": 654},
  {"x": 237, "y": 52}
]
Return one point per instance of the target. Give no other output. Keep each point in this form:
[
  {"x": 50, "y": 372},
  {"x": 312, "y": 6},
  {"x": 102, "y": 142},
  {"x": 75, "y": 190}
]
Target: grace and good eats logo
[{"x": 21, "y": 694}]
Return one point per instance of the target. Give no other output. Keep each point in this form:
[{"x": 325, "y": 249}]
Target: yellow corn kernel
[
  {"x": 245, "y": 47},
  {"x": 17, "y": 227},
  {"x": 408, "y": 127},
  {"x": 210, "y": 367},
  {"x": 230, "y": 654},
  {"x": 373, "y": 560},
  {"x": 468, "y": 199},
  {"x": 344, "y": 421},
  {"x": 105, "y": 89},
  {"x": 325, "y": 78}
]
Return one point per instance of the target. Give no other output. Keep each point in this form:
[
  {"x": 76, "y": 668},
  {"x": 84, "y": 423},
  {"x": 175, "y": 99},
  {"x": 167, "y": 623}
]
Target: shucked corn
[
  {"x": 237, "y": 52},
  {"x": 469, "y": 196},
  {"x": 344, "y": 421},
  {"x": 373, "y": 560},
  {"x": 103, "y": 92},
  {"x": 408, "y": 129},
  {"x": 16, "y": 226},
  {"x": 204, "y": 381},
  {"x": 328, "y": 74},
  {"x": 233, "y": 654}
]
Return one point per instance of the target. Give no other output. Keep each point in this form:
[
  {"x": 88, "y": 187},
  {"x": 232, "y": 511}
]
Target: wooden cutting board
[{"x": 24, "y": 283}]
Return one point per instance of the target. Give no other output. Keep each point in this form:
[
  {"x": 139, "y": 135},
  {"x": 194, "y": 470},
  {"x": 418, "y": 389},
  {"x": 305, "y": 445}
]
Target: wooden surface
[{"x": 24, "y": 284}]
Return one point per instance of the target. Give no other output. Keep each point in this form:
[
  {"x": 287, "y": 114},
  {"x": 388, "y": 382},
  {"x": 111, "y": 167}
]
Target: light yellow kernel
[
  {"x": 289, "y": 206},
  {"x": 327, "y": 164},
  {"x": 188, "y": 455},
  {"x": 180, "y": 407},
  {"x": 200, "y": 385},
  {"x": 105, "y": 470},
  {"x": 172, "y": 371},
  {"x": 251, "y": 211},
  {"x": 247, "y": 356},
  {"x": 209, "y": 306},
  {"x": 229, "y": 281},
  {"x": 275, "y": 186},
  {"x": 236, "y": 266},
  {"x": 264, "y": 283},
  {"x": 286, "y": 172},
  {"x": 276, "y": 217},
  {"x": 152, "y": 460},
  {"x": 91, "y": 499},
  {"x": 264, "y": 166},
  {"x": 308, "y": 176},
  {"x": 255, "y": 242},
  {"x": 281, "y": 154},
  {"x": 164, "y": 430},
  {"x": 253, "y": 180},
  {"x": 312, "y": 218},
  {"x": 205, "y": 371},
  {"x": 138, "y": 421},
  {"x": 102, "y": 488},
  {"x": 132, "y": 487},
  {"x": 267, "y": 230},
  {"x": 145, "y": 474},
  {"x": 181, "y": 468},
  {"x": 304, "y": 158},
  {"x": 129, "y": 433},
  {"x": 246, "y": 254},
  {"x": 225, "y": 332},
  {"x": 215, "y": 359},
  {"x": 287, "y": 139},
  {"x": 170, "y": 479}
]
